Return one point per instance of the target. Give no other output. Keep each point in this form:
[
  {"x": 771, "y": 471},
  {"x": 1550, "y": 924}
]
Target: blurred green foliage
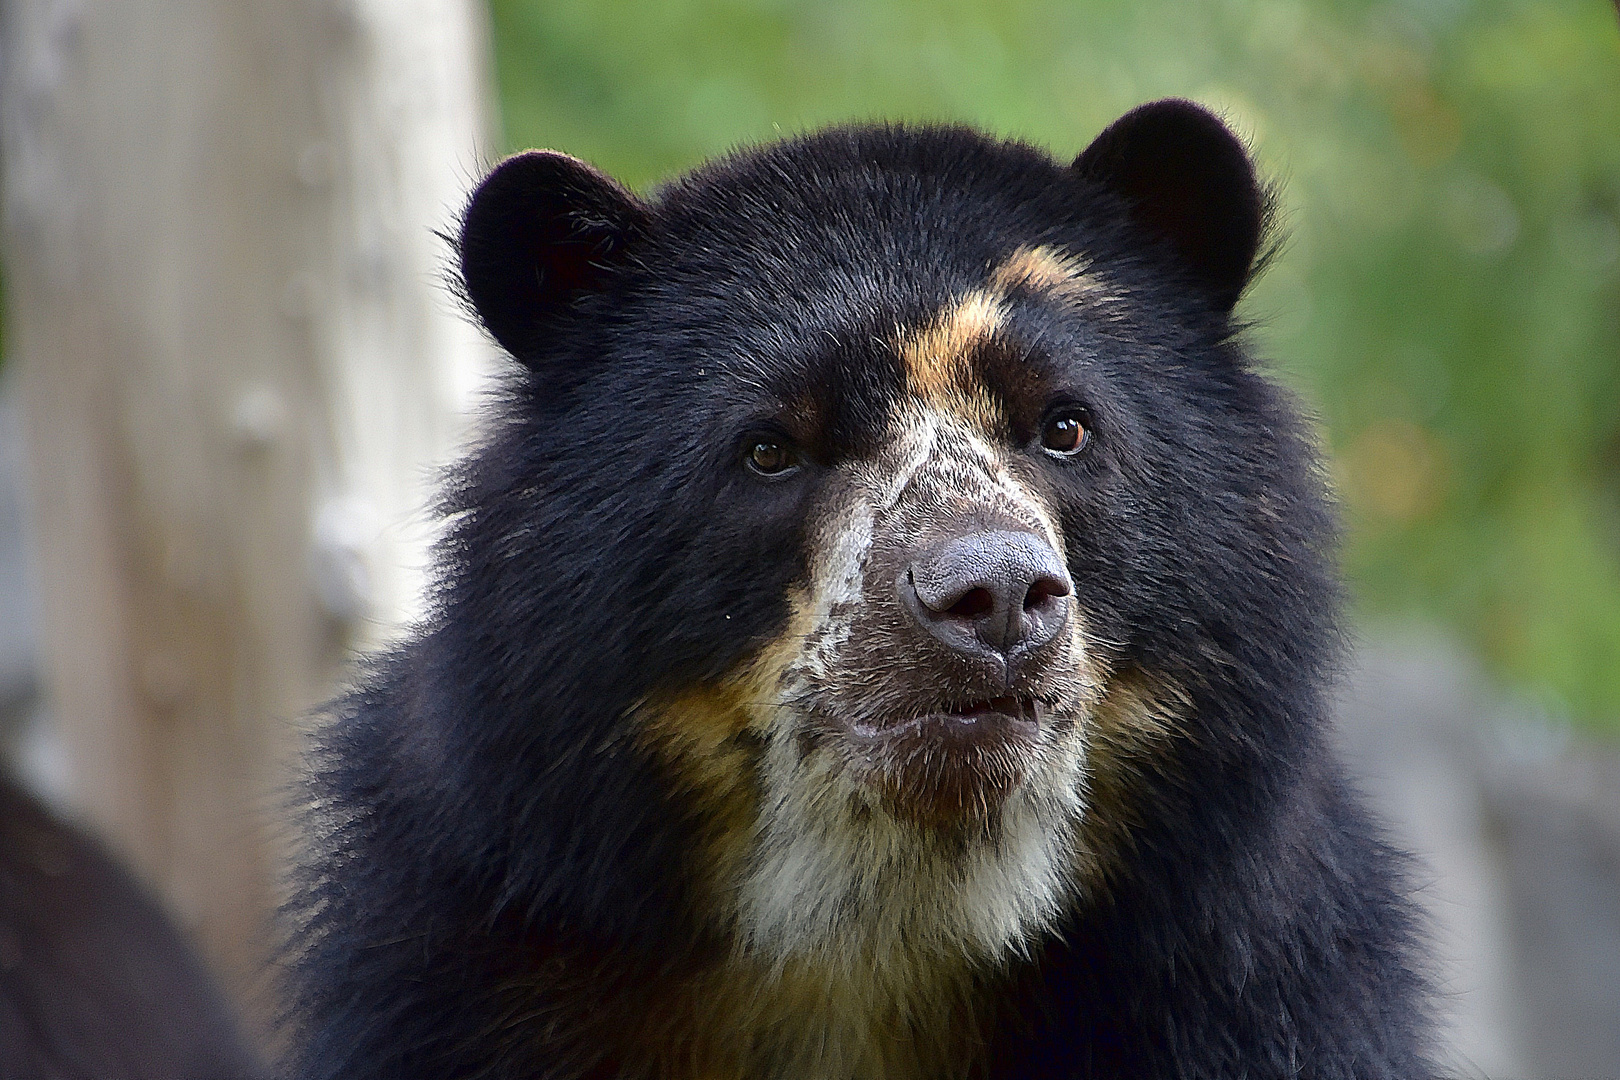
[{"x": 1449, "y": 299}]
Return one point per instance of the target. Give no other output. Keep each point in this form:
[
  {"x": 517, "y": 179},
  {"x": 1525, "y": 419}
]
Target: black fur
[
  {"x": 1189, "y": 181},
  {"x": 498, "y": 869}
]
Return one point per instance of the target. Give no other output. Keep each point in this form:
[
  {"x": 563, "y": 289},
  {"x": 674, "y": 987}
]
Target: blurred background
[{"x": 231, "y": 367}]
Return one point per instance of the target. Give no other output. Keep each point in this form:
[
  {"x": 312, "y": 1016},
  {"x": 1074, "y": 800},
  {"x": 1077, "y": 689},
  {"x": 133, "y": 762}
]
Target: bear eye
[
  {"x": 1065, "y": 432},
  {"x": 768, "y": 457}
]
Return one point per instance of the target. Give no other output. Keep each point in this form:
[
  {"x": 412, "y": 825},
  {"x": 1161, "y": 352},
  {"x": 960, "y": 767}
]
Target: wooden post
[{"x": 238, "y": 368}]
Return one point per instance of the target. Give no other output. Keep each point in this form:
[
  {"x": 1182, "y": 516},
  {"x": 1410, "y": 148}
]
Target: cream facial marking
[
  {"x": 1047, "y": 270},
  {"x": 936, "y": 357},
  {"x": 1132, "y": 728},
  {"x": 832, "y": 877}
]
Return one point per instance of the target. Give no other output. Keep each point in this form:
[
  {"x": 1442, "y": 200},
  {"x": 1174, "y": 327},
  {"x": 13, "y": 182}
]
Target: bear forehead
[
  {"x": 817, "y": 259},
  {"x": 875, "y": 180},
  {"x": 832, "y": 361},
  {"x": 855, "y": 219}
]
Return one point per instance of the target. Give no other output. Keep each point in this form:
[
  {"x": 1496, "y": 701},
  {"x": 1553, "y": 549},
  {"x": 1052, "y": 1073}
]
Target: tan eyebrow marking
[
  {"x": 937, "y": 357},
  {"x": 1045, "y": 269}
]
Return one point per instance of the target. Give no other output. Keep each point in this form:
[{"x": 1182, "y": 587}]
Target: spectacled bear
[{"x": 885, "y": 633}]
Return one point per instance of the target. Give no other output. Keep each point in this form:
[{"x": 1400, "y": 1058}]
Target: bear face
[
  {"x": 903, "y": 391},
  {"x": 885, "y": 633}
]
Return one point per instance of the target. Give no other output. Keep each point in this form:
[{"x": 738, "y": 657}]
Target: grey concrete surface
[
  {"x": 1515, "y": 820},
  {"x": 1408, "y": 721},
  {"x": 1556, "y": 818}
]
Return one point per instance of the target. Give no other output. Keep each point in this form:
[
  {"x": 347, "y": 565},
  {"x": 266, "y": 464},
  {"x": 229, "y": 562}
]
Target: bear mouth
[
  {"x": 959, "y": 727},
  {"x": 951, "y": 765}
]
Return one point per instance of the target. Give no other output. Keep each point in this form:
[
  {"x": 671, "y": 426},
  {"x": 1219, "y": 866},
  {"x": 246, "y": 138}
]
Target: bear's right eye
[{"x": 768, "y": 457}]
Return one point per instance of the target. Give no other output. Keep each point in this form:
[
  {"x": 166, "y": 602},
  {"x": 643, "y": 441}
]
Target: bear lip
[{"x": 1009, "y": 718}]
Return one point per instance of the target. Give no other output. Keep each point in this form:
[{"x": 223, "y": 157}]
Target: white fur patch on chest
[{"x": 836, "y": 879}]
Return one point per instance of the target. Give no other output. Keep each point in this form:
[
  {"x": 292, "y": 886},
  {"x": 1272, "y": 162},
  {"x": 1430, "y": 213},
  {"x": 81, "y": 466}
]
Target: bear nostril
[
  {"x": 974, "y": 603},
  {"x": 1044, "y": 589}
]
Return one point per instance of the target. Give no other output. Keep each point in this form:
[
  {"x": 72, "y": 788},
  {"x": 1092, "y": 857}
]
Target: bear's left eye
[
  {"x": 769, "y": 457},
  {"x": 1066, "y": 432}
]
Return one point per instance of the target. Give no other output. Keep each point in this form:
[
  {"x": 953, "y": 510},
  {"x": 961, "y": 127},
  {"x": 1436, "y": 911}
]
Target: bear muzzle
[{"x": 979, "y": 631}]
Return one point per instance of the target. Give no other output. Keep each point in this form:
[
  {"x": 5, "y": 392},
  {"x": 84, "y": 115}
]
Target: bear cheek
[{"x": 709, "y": 732}]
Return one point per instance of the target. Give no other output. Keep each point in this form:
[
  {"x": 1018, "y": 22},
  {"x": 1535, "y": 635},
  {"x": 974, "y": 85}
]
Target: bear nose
[{"x": 994, "y": 595}]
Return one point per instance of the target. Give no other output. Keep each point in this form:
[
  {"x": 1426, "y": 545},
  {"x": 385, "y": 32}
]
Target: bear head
[{"x": 888, "y": 496}]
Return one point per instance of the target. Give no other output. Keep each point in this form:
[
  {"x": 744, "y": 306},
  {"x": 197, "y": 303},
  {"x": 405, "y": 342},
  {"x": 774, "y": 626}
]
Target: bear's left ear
[
  {"x": 541, "y": 231},
  {"x": 1188, "y": 179}
]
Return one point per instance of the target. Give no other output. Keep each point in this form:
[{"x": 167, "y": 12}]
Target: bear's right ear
[{"x": 541, "y": 231}]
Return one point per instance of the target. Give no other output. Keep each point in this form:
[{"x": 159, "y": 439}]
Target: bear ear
[
  {"x": 1188, "y": 179},
  {"x": 541, "y": 231}
]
